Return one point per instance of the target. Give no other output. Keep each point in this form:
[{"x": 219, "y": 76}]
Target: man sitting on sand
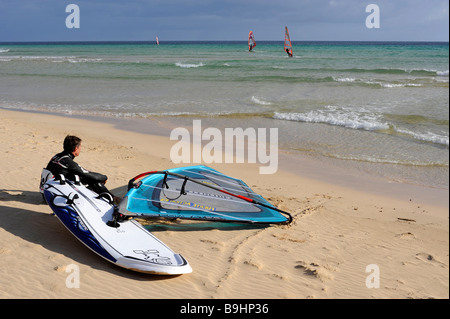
[{"x": 63, "y": 163}]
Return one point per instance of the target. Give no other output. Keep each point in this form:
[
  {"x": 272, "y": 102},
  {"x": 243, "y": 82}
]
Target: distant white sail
[{"x": 251, "y": 41}]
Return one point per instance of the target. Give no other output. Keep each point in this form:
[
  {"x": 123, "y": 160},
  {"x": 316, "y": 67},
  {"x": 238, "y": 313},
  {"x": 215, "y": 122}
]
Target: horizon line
[{"x": 214, "y": 41}]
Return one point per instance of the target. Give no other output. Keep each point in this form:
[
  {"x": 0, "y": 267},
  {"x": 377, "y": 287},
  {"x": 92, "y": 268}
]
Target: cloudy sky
[{"x": 172, "y": 20}]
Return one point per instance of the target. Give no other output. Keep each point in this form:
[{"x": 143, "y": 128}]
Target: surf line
[{"x": 222, "y": 148}]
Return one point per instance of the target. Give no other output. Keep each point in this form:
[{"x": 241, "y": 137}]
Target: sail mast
[
  {"x": 251, "y": 41},
  {"x": 287, "y": 42}
]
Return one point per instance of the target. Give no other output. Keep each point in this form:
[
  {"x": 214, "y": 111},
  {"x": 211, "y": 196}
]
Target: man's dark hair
[{"x": 70, "y": 142}]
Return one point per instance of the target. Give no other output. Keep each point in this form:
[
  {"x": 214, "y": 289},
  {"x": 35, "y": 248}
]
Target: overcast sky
[{"x": 171, "y": 20}]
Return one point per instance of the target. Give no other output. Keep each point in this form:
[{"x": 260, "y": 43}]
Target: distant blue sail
[{"x": 200, "y": 193}]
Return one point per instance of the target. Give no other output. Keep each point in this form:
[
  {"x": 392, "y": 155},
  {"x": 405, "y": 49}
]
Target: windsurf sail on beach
[
  {"x": 287, "y": 42},
  {"x": 251, "y": 41},
  {"x": 199, "y": 193},
  {"x": 157, "y": 41}
]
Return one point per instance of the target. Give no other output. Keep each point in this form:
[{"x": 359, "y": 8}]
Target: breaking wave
[
  {"x": 375, "y": 83},
  {"x": 339, "y": 117},
  {"x": 259, "y": 101},
  {"x": 53, "y": 59},
  {"x": 189, "y": 65},
  {"x": 360, "y": 120},
  {"x": 426, "y": 137}
]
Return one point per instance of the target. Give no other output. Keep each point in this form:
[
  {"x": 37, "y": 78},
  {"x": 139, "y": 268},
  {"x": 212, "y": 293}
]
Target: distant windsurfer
[
  {"x": 287, "y": 42},
  {"x": 251, "y": 41},
  {"x": 289, "y": 52}
]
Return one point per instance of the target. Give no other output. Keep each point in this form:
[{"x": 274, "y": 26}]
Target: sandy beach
[{"x": 339, "y": 233}]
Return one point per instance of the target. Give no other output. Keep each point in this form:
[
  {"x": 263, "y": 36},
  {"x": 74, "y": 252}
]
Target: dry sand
[{"x": 337, "y": 232}]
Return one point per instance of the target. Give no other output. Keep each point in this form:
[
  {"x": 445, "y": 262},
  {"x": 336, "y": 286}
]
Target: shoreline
[
  {"x": 338, "y": 230},
  {"x": 301, "y": 165}
]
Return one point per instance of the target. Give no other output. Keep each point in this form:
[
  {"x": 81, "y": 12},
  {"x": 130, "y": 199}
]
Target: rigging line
[
  {"x": 212, "y": 171},
  {"x": 217, "y": 189},
  {"x": 194, "y": 193},
  {"x": 242, "y": 188},
  {"x": 227, "y": 199},
  {"x": 238, "y": 196},
  {"x": 187, "y": 207},
  {"x": 248, "y": 193},
  {"x": 238, "y": 183},
  {"x": 209, "y": 170},
  {"x": 231, "y": 186}
]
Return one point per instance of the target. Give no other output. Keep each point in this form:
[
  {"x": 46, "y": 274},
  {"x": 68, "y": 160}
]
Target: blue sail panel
[{"x": 203, "y": 196}]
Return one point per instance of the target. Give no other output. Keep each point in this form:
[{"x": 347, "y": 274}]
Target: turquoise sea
[{"x": 382, "y": 108}]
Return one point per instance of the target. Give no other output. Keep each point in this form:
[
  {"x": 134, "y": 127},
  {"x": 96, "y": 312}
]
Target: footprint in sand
[
  {"x": 407, "y": 235},
  {"x": 60, "y": 268},
  {"x": 254, "y": 264},
  {"x": 5, "y": 251},
  {"x": 429, "y": 259},
  {"x": 315, "y": 270},
  {"x": 215, "y": 245},
  {"x": 288, "y": 238}
]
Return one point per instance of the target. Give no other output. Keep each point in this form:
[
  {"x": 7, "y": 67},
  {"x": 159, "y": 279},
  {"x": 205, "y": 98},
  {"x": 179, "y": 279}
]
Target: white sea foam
[
  {"x": 393, "y": 85},
  {"x": 344, "y": 79},
  {"x": 442, "y": 73},
  {"x": 338, "y": 116},
  {"x": 359, "y": 119},
  {"x": 82, "y": 60},
  {"x": 378, "y": 83},
  {"x": 276, "y": 67},
  {"x": 399, "y": 85},
  {"x": 4, "y": 50},
  {"x": 53, "y": 59},
  {"x": 380, "y": 160},
  {"x": 260, "y": 102},
  {"x": 189, "y": 65},
  {"x": 426, "y": 137}
]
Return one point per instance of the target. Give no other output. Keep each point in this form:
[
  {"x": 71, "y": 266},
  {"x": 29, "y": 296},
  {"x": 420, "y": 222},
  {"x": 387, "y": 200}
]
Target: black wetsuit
[{"x": 64, "y": 164}]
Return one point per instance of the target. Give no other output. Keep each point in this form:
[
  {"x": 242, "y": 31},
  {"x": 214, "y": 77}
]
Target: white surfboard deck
[{"x": 129, "y": 246}]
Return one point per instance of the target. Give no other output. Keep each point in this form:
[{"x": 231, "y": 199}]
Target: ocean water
[{"x": 382, "y": 108}]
